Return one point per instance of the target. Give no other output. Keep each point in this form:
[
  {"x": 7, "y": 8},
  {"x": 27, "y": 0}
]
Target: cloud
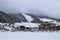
[{"x": 48, "y": 7}]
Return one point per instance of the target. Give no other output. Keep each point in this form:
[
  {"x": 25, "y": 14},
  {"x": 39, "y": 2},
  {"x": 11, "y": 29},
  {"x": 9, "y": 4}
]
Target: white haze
[{"x": 48, "y": 7}]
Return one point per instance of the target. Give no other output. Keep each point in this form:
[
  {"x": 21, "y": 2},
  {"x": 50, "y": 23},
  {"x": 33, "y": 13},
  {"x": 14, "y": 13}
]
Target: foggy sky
[{"x": 48, "y": 7}]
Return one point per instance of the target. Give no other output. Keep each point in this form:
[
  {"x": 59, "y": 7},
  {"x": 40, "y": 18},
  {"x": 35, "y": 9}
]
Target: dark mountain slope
[
  {"x": 5, "y": 18},
  {"x": 20, "y": 17}
]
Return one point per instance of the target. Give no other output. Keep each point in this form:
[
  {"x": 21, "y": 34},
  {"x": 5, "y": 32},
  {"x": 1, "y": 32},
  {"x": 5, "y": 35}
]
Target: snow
[
  {"x": 26, "y": 24},
  {"x": 57, "y": 23},
  {"x": 29, "y": 18},
  {"x": 29, "y": 35},
  {"x": 45, "y": 19},
  {"x": 8, "y": 28}
]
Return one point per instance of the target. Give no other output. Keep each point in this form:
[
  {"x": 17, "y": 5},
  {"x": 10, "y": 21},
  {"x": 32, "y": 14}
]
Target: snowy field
[{"x": 29, "y": 35}]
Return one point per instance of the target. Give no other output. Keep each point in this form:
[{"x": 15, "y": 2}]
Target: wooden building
[{"x": 47, "y": 25}]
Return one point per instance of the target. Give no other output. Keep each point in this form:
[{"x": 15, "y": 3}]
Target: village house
[{"x": 46, "y": 25}]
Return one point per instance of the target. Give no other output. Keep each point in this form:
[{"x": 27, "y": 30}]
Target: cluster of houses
[
  {"x": 46, "y": 26},
  {"x": 49, "y": 26}
]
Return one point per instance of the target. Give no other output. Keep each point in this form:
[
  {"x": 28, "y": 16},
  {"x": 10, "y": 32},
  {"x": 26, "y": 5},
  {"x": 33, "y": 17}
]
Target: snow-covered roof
[{"x": 26, "y": 24}]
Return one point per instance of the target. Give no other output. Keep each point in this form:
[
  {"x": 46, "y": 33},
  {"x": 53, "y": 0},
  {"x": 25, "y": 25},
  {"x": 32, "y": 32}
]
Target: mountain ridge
[{"x": 22, "y": 17}]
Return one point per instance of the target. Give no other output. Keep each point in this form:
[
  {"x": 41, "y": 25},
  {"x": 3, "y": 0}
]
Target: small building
[
  {"x": 46, "y": 25},
  {"x": 58, "y": 27}
]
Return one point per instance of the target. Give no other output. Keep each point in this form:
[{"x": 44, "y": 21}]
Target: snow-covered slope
[
  {"x": 45, "y": 19},
  {"x": 29, "y": 18}
]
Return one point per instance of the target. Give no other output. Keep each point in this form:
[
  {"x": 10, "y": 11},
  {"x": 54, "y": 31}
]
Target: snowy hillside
[{"x": 29, "y": 18}]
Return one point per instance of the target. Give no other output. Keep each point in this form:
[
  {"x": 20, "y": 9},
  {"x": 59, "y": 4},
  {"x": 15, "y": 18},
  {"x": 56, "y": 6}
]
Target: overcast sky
[{"x": 48, "y": 7}]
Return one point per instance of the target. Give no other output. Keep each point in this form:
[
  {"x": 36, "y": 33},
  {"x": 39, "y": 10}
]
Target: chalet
[{"x": 46, "y": 25}]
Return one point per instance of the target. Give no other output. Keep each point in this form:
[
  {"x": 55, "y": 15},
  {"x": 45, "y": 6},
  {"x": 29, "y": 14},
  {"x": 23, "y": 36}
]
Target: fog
[{"x": 47, "y": 7}]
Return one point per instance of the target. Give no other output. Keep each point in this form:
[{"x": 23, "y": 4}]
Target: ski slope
[
  {"x": 29, "y": 35},
  {"x": 29, "y": 18}
]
